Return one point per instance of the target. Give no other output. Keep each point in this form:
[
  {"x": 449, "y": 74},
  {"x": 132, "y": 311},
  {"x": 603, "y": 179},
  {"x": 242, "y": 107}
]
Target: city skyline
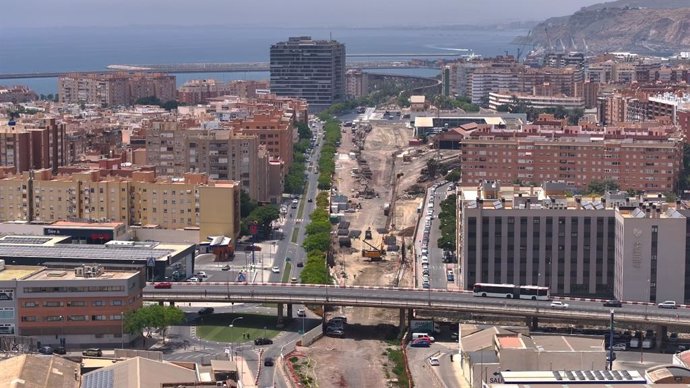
[{"x": 356, "y": 13}]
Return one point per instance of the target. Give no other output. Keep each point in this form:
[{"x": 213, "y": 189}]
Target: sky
[{"x": 279, "y": 13}]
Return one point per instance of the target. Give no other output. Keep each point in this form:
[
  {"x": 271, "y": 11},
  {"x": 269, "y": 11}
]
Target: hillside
[{"x": 647, "y": 27}]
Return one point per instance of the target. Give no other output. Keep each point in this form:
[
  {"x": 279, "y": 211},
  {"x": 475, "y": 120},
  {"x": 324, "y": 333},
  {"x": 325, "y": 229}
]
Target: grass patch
[
  {"x": 286, "y": 272},
  {"x": 214, "y": 327},
  {"x": 398, "y": 360},
  {"x": 300, "y": 209},
  {"x": 295, "y": 234}
]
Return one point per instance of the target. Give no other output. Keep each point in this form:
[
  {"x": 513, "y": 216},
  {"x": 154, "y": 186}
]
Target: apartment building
[
  {"x": 309, "y": 69},
  {"x": 200, "y": 91},
  {"x": 84, "y": 305},
  {"x": 356, "y": 83},
  {"x": 274, "y": 131},
  {"x": 17, "y": 94},
  {"x": 542, "y": 101},
  {"x": 667, "y": 105},
  {"x": 240, "y": 154},
  {"x": 637, "y": 157},
  {"x": 115, "y": 88},
  {"x": 633, "y": 248},
  {"x": 142, "y": 199},
  {"x": 28, "y": 146}
]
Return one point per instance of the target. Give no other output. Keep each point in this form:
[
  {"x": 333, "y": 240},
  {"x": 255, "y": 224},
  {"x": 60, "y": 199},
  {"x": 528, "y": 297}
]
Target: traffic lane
[
  {"x": 438, "y": 270},
  {"x": 416, "y": 295}
]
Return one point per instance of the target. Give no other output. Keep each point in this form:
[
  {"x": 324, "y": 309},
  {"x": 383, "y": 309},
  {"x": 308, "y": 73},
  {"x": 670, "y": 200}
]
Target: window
[
  {"x": 30, "y": 318},
  {"x": 53, "y": 304},
  {"x": 76, "y": 303},
  {"x": 116, "y": 317},
  {"x": 117, "y": 302},
  {"x": 29, "y": 304},
  {"x": 98, "y": 318},
  {"x": 76, "y": 318},
  {"x": 7, "y": 313},
  {"x": 98, "y": 303},
  {"x": 54, "y": 318}
]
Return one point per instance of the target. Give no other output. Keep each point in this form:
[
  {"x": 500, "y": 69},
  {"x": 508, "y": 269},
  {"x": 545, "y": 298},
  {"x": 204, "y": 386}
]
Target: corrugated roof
[
  {"x": 137, "y": 372},
  {"x": 38, "y": 371}
]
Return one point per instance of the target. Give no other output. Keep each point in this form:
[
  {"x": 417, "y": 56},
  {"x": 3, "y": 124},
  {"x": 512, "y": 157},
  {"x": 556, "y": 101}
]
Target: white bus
[{"x": 510, "y": 291}]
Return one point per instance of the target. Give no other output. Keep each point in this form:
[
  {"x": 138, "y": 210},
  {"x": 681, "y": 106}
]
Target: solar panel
[
  {"x": 91, "y": 252},
  {"x": 25, "y": 240},
  {"x": 99, "y": 379}
]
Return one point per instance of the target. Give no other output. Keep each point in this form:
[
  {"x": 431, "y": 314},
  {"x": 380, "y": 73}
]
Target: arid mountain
[{"x": 642, "y": 26}]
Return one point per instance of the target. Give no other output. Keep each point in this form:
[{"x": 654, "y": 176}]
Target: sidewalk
[{"x": 247, "y": 376}]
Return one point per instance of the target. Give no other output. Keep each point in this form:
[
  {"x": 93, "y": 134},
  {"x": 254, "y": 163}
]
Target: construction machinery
[{"x": 375, "y": 254}]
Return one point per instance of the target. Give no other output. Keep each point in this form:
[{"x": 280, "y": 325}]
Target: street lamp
[{"x": 232, "y": 323}]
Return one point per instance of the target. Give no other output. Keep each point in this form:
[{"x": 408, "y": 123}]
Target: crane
[{"x": 375, "y": 254}]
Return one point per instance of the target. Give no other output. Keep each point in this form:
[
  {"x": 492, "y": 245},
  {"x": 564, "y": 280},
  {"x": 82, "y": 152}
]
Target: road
[
  {"x": 393, "y": 297},
  {"x": 437, "y": 268}
]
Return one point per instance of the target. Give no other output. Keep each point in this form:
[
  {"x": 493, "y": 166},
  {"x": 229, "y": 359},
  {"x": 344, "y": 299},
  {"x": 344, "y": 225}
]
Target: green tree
[
  {"x": 263, "y": 216},
  {"x": 432, "y": 167},
  {"x": 454, "y": 175},
  {"x": 148, "y": 318},
  {"x": 447, "y": 221},
  {"x": 246, "y": 204},
  {"x": 600, "y": 187},
  {"x": 317, "y": 242},
  {"x": 150, "y": 100},
  {"x": 170, "y": 105},
  {"x": 303, "y": 131}
]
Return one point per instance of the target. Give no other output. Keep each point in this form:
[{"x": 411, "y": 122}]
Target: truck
[
  {"x": 386, "y": 209},
  {"x": 424, "y": 326},
  {"x": 648, "y": 343}
]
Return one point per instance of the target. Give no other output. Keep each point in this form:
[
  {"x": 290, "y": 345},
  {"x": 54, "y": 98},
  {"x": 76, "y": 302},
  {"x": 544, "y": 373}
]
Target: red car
[{"x": 163, "y": 285}]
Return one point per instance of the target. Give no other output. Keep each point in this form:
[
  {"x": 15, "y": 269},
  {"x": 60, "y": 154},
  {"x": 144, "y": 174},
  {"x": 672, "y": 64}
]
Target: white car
[
  {"x": 669, "y": 304},
  {"x": 201, "y": 274},
  {"x": 557, "y": 304},
  {"x": 619, "y": 346},
  {"x": 275, "y": 269},
  {"x": 194, "y": 279},
  {"x": 433, "y": 361},
  {"x": 425, "y": 260},
  {"x": 301, "y": 313}
]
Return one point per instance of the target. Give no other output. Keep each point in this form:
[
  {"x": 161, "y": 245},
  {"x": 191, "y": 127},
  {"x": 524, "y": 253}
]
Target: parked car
[
  {"x": 669, "y": 304},
  {"x": 301, "y": 313},
  {"x": 162, "y": 285},
  {"x": 45, "y": 349},
  {"x": 194, "y": 279},
  {"x": 300, "y": 264},
  {"x": 226, "y": 267},
  {"x": 263, "y": 341},
  {"x": 268, "y": 361},
  {"x": 59, "y": 350},
  {"x": 206, "y": 311},
  {"x": 557, "y": 304},
  {"x": 201, "y": 275},
  {"x": 338, "y": 319},
  {"x": 619, "y": 346},
  {"x": 433, "y": 361},
  {"x": 334, "y": 332},
  {"x": 92, "y": 352},
  {"x": 613, "y": 303},
  {"x": 420, "y": 343},
  {"x": 275, "y": 269},
  {"x": 293, "y": 280}
]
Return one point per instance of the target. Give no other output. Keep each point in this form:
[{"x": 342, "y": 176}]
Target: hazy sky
[{"x": 278, "y": 13}]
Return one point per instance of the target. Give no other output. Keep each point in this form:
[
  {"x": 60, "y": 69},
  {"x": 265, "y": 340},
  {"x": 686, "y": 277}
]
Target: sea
[{"x": 92, "y": 48}]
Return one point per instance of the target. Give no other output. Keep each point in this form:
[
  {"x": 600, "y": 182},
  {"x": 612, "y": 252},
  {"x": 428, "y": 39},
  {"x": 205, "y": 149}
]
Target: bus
[{"x": 510, "y": 291}]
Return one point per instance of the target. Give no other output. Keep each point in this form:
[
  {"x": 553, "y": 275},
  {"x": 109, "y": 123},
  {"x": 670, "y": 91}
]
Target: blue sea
[{"x": 92, "y": 48}]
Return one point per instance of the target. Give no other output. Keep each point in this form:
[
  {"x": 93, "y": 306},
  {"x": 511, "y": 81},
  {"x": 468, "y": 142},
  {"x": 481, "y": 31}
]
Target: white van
[{"x": 422, "y": 335}]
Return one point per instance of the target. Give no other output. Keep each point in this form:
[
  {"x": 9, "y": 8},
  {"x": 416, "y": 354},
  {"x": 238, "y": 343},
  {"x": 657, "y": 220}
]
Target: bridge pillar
[
  {"x": 289, "y": 310},
  {"x": 172, "y": 304},
  {"x": 661, "y": 333},
  {"x": 403, "y": 316},
  {"x": 532, "y": 322},
  {"x": 280, "y": 312},
  {"x": 161, "y": 303}
]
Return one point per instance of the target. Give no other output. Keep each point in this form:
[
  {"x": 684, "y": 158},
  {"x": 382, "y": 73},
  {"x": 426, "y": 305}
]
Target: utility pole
[{"x": 611, "y": 341}]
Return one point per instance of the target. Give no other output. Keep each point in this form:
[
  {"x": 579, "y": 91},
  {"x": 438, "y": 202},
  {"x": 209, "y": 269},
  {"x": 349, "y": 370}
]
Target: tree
[
  {"x": 264, "y": 216},
  {"x": 317, "y": 242},
  {"x": 170, "y": 105},
  {"x": 432, "y": 167},
  {"x": 246, "y": 204},
  {"x": 148, "y": 318},
  {"x": 454, "y": 175},
  {"x": 303, "y": 131},
  {"x": 150, "y": 100},
  {"x": 600, "y": 187}
]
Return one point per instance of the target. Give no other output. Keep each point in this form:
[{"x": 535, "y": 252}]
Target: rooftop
[
  {"x": 12, "y": 272},
  {"x": 513, "y": 378},
  {"x": 69, "y": 274},
  {"x": 38, "y": 371},
  {"x": 137, "y": 372}
]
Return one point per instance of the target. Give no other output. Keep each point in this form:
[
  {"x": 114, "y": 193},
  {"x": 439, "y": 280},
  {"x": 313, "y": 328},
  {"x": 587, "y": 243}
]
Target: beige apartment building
[
  {"x": 226, "y": 154},
  {"x": 143, "y": 199},
  {"x": 637, "y": 157},
  {"x": 115, "y": 88}
]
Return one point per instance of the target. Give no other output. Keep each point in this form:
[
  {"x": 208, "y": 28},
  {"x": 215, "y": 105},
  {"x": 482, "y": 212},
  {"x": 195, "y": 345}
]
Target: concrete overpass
[{"x": 407, "y": 299}]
